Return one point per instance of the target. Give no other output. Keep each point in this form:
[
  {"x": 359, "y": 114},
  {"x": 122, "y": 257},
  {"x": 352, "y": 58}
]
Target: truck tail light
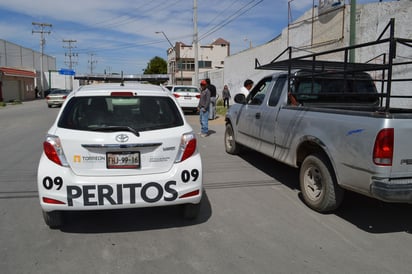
[
  {"x": 54, "y": 151},
  {"x": 187, "y": 148},
  {"x": 383, "y": 149}
]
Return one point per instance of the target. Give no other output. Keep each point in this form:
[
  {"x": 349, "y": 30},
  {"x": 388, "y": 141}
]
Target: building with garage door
[{"x": 20, "y": 72}]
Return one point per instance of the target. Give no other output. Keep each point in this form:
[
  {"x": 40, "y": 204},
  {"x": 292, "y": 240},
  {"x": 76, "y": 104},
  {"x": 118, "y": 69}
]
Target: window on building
[{"x": 205, "y": 64}]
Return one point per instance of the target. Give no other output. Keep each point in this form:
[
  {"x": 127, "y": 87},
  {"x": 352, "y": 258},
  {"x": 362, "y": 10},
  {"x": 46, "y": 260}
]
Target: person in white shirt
[{"x": 247, "y": 86}]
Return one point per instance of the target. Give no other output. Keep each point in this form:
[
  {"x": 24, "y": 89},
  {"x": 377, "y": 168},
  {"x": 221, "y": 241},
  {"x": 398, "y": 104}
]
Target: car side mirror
[{"x": 240, "y": 98}]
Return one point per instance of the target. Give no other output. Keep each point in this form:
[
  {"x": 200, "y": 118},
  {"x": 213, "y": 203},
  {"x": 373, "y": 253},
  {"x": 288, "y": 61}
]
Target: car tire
[
  {"x": 318, "y": 184},
  {"x": 231, "y": 146},
  {"x": 191, "y": 211},
  {"x": 53, "y": 219}
]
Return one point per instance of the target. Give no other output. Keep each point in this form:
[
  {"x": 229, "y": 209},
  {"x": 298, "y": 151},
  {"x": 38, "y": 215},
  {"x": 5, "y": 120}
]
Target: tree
[{"x": 157, "y": 65}]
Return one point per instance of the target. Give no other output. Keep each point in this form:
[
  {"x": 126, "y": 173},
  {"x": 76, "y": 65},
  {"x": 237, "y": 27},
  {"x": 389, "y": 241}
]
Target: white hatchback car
[
  {"x": 187, "y": 96},
  {"x": 119, "y": 146}
]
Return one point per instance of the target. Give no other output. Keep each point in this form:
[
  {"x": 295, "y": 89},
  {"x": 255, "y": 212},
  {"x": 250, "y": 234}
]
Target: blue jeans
[{"x": 204, "y": 121}]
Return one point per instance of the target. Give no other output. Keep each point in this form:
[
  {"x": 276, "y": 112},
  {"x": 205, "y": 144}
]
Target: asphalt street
[{"x": 252, "y": 219}]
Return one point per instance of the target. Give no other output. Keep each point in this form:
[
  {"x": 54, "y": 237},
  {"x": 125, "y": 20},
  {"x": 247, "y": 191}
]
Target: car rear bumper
[
  {"x": 393, "y": 191},
  {"x": 60, "y": 189}
]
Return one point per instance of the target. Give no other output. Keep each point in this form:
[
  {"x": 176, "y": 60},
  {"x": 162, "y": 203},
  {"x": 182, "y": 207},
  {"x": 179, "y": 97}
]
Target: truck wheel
[
  {"x": 318, "y": 184},
  {"x": 230, "y": 142},
  {"x": 53, "y": 219}
]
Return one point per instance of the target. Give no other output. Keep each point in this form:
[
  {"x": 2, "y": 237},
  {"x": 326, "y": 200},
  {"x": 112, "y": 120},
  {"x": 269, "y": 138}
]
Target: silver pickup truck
[{"x": 336, "y": 127}]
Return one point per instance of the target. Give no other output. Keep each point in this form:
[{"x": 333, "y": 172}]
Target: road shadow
[
  {"x": 368, "y": 214},
  {"x": 127, "y": 220}
]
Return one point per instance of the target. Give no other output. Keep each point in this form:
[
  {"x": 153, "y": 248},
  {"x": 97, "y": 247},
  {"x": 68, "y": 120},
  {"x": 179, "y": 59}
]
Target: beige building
[{"x": 181, "y": 61}]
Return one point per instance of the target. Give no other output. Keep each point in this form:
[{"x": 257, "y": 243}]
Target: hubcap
[{"x": 313, "y": 183}]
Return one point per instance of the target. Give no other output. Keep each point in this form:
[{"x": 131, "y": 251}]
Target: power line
[{"x": 245, "y": 8}]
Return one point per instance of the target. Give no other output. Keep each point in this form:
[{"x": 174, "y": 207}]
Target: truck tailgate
[{"x": 402, "y": 155}]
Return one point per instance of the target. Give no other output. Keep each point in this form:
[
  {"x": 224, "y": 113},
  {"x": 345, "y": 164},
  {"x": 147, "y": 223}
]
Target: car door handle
[{"x": 257, "y": 115}]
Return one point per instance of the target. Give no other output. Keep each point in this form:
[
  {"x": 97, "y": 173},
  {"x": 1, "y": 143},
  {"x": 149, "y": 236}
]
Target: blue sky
[{"x": 120, "y": 35}]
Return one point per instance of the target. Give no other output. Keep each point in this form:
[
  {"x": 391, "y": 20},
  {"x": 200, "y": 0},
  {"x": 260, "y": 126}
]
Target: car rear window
[
  {"x": 140, "y": 113},
  {"x": 185, "y": 89}
]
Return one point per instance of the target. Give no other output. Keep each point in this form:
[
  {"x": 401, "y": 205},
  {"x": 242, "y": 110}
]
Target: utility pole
[
  {"x": 70, "y": 55},
  {"x": 92, "y": 63},
  {"x": 42, "y": 31},
  {"x": 195, "y": 43},
  {"x": 173, "y": 65},
  {"x": 352, "y": 27},
  {"x": 70, "y": 63}
]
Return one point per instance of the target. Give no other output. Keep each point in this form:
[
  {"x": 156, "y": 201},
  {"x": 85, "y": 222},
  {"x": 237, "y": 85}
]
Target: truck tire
[
  {"x": 318, "y": 184},
  {"x": 230, "y": 142},
  {"x": 53, "y": 219}
]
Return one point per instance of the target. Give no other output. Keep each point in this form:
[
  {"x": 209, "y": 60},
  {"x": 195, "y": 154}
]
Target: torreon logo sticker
[{"x": 79, "y": 158}]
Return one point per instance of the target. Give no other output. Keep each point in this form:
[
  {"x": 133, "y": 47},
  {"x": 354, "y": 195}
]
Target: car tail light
[
  {"x": 198, "y": 96},
  {"x": 187, "y": 148},
  {"x": 48, "y": 97},
  {"x": 52, "y": 201},
  {"x": 54, "y": 151},
  {"x": 190, "y": 194},
  {"x": 383, "y": 149},
  {"x": 65, "y": 96},
  {"x": 176, "y": 95},
  {"x": 121, "y": 93}
]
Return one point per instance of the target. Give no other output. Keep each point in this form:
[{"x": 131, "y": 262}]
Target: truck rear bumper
[{"x": 392, "y": 191}]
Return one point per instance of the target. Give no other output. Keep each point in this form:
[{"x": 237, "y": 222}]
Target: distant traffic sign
[{"x": 67, "y": 71}]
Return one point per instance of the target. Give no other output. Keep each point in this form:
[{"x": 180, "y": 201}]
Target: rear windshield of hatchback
[{"x": 104, "y": 112}]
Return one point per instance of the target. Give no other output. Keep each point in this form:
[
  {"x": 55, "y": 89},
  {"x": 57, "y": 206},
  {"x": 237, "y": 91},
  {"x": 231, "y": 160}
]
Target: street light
[{"x": 173, "y": 49}]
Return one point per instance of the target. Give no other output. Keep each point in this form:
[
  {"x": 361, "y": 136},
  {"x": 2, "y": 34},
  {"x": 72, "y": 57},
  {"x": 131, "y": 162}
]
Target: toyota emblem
[{"x": 122, "y": 138}]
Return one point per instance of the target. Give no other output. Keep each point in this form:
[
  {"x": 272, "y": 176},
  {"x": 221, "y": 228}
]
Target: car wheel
[
  {"x": 318, "y": 184},
  {"x": 191, "y": 211},
  {"x": 230, "y": 142},
  {"x": 53, "y": 219}
]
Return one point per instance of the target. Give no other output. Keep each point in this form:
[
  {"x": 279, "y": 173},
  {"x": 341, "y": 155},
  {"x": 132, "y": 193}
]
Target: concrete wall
[
  {"x": 15, "y": 56},
  {"x": 328, "y": 31},
  {"x": 56, "y": 80}
]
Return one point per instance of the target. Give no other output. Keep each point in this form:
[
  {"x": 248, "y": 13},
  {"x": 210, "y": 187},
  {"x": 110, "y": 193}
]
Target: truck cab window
[
  {"x": 277, "y": 91},
  {"x": 258, "y": 93}
]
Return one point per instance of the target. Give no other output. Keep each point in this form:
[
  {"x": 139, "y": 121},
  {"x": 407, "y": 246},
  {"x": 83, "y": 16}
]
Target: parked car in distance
[
  {"x": 56, "y": 97},
  {"x": 116, "y": 146},
  {"x": 187, "y": 96}
]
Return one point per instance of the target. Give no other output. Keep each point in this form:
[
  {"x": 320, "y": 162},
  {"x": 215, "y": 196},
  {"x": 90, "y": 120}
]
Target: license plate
[
  {"x": 188, "y": 97},
  {"x": 123, "y": 160}
]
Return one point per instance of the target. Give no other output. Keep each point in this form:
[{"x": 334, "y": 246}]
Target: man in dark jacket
[{"x": 212, "y": 108}]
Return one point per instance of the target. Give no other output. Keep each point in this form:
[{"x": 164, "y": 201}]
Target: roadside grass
[{"x": 220, "y": 109}]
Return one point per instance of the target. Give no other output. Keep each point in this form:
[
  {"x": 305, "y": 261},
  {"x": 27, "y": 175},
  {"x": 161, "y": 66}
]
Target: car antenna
[{"x": 122, "y": 79}]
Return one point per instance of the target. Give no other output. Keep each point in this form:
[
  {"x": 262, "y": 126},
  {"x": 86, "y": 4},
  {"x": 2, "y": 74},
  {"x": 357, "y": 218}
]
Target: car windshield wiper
[{"x": 117, "y": 128}]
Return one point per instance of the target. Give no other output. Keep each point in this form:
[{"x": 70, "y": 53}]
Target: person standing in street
[
  {"x": 226, "y": 96},
  {"x": 203, "y": 108},
  {"x": 247, "y": 86},
  {"x": 212, "y": 108}
]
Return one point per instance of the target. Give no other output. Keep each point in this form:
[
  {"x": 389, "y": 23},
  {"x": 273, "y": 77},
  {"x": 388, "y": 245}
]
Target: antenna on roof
[{"x": 122, "y": 79}]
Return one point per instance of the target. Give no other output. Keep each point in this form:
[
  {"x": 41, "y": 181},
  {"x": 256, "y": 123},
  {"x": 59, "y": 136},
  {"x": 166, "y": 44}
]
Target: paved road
[{"x": 252, "y": 220}]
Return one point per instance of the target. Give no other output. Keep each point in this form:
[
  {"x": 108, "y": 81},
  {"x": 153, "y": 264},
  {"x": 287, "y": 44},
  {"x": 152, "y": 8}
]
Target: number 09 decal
[
  {"x": 190, "y": 175},
  {"x": 48, "y": 183}
]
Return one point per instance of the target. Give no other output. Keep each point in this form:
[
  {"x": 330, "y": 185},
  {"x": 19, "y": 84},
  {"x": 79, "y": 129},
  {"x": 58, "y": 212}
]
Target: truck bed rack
[{"x": 383, "y": 68}]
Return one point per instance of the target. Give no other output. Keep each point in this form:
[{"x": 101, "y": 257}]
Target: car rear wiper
[{"x": 117, "y": 128}]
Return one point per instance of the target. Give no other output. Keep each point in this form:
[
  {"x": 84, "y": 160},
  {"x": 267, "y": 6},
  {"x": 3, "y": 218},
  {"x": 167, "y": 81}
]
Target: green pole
[{"x": 352, "y": 30}]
